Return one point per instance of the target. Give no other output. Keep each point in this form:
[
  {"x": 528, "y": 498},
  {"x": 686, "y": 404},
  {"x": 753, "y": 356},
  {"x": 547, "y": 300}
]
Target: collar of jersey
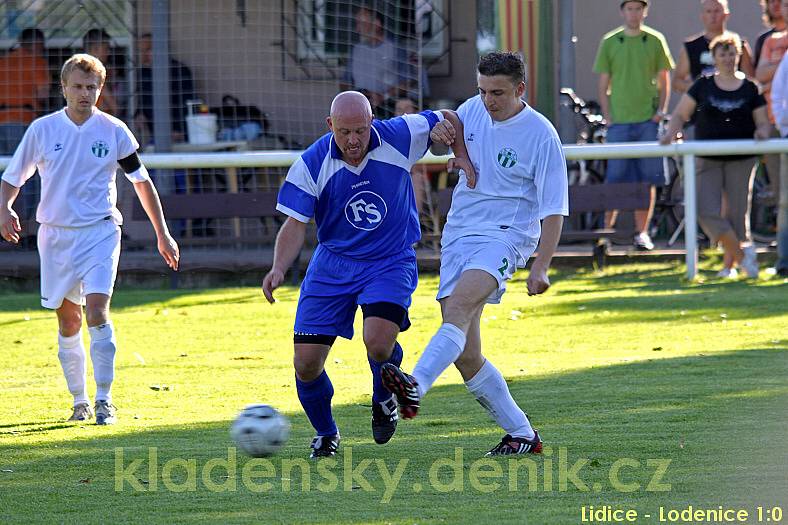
[
  {"x": 514, "y": 118},
  {"x": 374, "y": 142},
  {"x": 84, "y": 124}
]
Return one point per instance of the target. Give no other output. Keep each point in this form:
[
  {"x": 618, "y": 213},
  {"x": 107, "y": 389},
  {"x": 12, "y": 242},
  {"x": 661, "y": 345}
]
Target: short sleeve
[
  {"x": 696, "y": 90},
  {"x": 298, "y": 195},
  {"x": 23, "y": 163},
  {"x": 127, "y": 144},
  {"x": 462, "y": 111},
  {"x": 665, "y": 58},
  {"x": 602, "y": 61},
  {"x": 758, "y": 100},
  {"x": 552, "y": 187}
]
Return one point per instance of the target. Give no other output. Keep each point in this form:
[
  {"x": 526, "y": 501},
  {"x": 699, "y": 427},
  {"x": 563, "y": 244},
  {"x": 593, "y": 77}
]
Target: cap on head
[{"x": 624, "y": 2}]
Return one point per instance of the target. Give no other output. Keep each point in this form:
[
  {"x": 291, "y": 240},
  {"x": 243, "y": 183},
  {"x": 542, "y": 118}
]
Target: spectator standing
[
  {"x": 780, "y": 107},
  {"x": 726, "y": 106},
  {"x": 633, "y": 63},
  {"x": 774, "y": 48},
  {"x": 695, "y": 58},
  {"x": 773, "y": 19},
  {"x": 181, "y": 90}
]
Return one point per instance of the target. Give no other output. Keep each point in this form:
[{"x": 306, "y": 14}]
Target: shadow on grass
[
  {"x": 125, "y": 298},
  {"x": 646, "y": 308},
  {"x": 654, "y": 278},
  {"x": 716, "y": 423}
]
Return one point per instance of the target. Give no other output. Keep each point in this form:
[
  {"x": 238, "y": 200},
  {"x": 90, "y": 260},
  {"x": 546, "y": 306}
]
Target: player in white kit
[
  {"x": 515, "y": 204},
  {"x": 77, "y": 152}
]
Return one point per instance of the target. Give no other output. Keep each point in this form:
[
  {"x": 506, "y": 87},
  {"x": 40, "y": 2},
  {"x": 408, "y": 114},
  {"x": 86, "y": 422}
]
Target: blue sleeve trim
[
  {"x": 294, "y": 198},
  {"x": 395, "y": 131},
  {"x": 314, "y": 156}
]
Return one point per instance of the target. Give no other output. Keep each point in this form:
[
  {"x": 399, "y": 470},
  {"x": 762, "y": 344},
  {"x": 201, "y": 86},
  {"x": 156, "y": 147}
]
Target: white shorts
[
  {"x": 477, "y": 252},
  {"x": 76, "y": 262}
]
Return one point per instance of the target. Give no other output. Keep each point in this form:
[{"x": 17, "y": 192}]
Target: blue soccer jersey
[{"x": 368, "y": 211}]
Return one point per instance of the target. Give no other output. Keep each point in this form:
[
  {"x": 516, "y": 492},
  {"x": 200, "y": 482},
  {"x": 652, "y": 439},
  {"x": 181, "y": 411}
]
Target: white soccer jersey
[
  {"x": 521, "y": 178},
  {"x": 77, "y": 165}
]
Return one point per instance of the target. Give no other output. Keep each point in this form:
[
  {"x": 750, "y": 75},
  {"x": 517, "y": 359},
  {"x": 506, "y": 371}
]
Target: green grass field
[{"x": 648, "y": 391}]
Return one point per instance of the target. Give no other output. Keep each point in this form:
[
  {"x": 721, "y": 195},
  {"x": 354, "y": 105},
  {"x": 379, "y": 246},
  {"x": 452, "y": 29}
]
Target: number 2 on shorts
[{"x": 504, "y": 267}]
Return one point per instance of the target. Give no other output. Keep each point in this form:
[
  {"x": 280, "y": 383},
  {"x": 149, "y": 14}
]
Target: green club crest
[
  {"x": 100, "y": 149},
  {"x": 507, "y": 157}
]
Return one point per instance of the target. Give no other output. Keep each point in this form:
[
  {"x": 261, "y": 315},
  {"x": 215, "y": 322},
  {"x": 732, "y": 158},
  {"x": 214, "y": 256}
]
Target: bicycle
[
  {"x": 668, "y": 217},
  {"x": 591, "y": 129},
  {"x": 763, "y": 212}
]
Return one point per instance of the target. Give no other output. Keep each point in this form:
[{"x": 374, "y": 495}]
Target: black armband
[
  {"x": 133, "y": 168},
  {"x": 131, "y": 163}
]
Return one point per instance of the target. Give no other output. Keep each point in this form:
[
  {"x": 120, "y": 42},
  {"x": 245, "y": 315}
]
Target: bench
[
  {"x": 192, "y": 206},
  {"x": 584, "y": 200},
  {"x": 600, "y": 198}
]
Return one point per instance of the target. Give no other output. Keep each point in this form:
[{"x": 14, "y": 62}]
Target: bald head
[
  {"x": 350, "y": 104},
  {"x": 722, "y": 3},
  {"x": 351, "y": 122}
]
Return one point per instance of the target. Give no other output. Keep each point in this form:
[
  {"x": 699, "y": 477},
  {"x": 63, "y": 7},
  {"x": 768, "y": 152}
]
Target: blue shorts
[
  {"x": 648, "y": 169},
  {"x": 335, "y": 285}
]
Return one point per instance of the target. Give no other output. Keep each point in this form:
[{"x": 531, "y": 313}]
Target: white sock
[
  {"x": 102, "y": 353},
  {"x": 71, "y": 353},
  {"x": 444, "y": 349},
  {"x": 492, "y": 392}
]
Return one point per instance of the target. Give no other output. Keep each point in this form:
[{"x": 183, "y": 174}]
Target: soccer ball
[{"x": 260, "y": 430}]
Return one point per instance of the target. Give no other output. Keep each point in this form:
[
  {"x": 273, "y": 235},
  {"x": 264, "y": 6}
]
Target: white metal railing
[{"x": 688, "y": 150}]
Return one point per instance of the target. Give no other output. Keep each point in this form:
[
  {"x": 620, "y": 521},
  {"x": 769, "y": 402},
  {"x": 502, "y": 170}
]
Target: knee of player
[
  {"x": 96, "y": 315},
  {"x": 379, "y": 351},
  {"x": 379, "y": 346},
  {"x": 70, "y": 325},
  {"x": 307, "y": 367}
]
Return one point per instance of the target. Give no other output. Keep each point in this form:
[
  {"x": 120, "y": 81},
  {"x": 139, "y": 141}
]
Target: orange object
[{"x": 22, "y": 77}]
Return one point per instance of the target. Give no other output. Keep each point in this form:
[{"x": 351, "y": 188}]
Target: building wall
[
  {"x": 458, "y": 81},
  {"x": 248, "y": 61}
]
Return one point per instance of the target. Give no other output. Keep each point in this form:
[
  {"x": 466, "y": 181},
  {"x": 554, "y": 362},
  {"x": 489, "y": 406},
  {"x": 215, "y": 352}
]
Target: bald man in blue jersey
[{"x": 355, "y": 182}]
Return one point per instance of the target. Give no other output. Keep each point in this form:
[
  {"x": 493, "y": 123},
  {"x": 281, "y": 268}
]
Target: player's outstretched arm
[
  {"x": 9, "y": 221},
  {"x": 149, "y": 198},
  {"x": 461, "y": 158},
  {"x": 288, "y": 245},
  {"x": 551, "y": 232}
]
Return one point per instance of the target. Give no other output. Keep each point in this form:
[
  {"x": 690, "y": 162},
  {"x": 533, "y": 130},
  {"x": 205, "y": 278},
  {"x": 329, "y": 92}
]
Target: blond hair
[
  {"x": 727, "y": 39},
  {"x": 86, "y": 63}
]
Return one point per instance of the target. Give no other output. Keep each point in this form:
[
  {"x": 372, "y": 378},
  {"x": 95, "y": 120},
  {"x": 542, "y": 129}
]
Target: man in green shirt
[{"x": 633, "y": 63}]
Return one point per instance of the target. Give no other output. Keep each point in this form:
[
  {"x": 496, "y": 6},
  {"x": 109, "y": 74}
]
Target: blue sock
[
  {"x": 379, "y": 392},
  {"x": 315, "y": 397}
]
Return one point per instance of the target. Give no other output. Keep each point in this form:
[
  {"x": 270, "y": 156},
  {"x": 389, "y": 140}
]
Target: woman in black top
[{"x": 725, "y": 105}]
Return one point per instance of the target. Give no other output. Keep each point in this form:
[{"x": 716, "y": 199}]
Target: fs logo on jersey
[
  {"x": 507, "y": 157},
  {"x": 365, "y": 210},
  {"x": 100, "y": 149}
]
